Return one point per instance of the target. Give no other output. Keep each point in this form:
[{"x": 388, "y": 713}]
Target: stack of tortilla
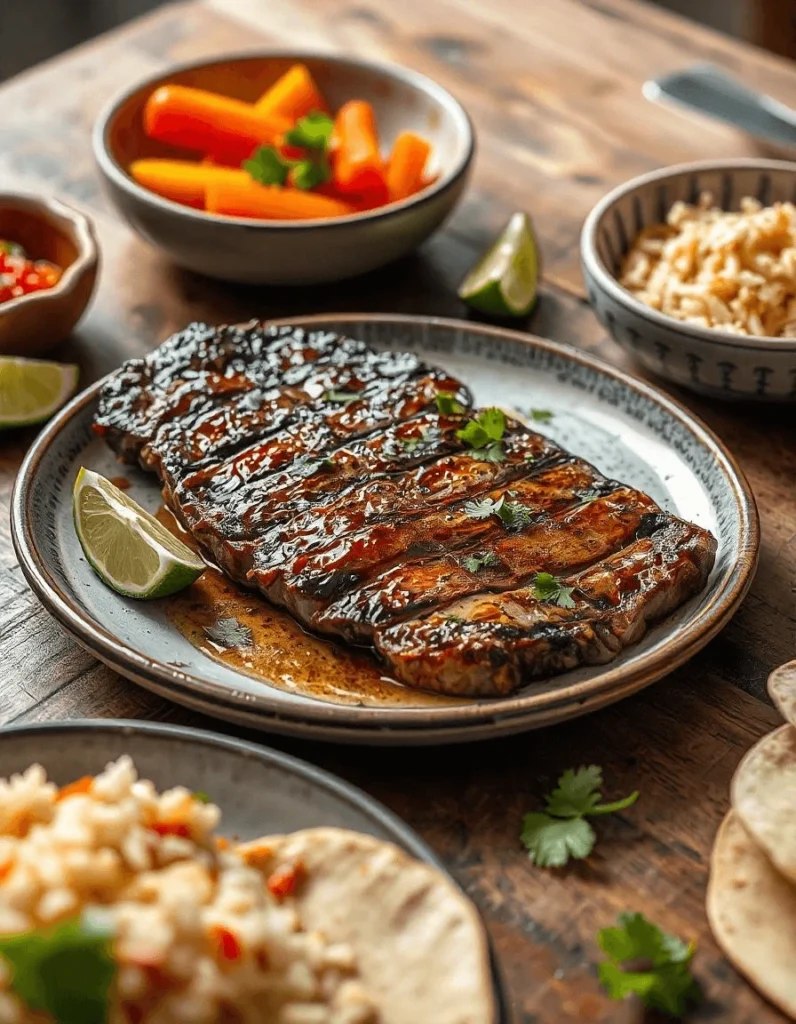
[{"x": 751, "y": 901}]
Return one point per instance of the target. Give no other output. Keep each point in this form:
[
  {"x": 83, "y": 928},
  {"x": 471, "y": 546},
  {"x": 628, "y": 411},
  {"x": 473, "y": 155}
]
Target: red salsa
[{"x": 20, "y": 275}]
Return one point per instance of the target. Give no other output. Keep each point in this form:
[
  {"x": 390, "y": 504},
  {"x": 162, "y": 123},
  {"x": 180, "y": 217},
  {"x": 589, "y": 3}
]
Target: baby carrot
[
  {"x": 292, "y": 96},
  {"x": 270, "y": 202},
  {"x": 194, "y": 119},
  {"x": 182, "y": 181},
  {"x": 406, "y": 164},
  {"x": 358, "y": 166}
]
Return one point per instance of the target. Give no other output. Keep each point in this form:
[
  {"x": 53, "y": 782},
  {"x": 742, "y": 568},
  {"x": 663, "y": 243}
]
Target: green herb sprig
[
  {"x": 547, "y": 587},
  {"x": 562, "y": 832}
]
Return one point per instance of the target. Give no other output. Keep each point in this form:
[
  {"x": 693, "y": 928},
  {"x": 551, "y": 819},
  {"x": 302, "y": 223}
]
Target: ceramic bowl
[
  {"x": 290, "y": 252},
  {"x": 46, "y": 229},
  {"x": 709, "y": 361}
]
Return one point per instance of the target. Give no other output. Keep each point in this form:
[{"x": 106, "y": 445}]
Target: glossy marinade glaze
[{"x": 336, "y": 480}]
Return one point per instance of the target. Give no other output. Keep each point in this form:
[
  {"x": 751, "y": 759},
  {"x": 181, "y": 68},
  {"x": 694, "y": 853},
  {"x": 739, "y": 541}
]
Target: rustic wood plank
[{"x": 554, "y": 89}]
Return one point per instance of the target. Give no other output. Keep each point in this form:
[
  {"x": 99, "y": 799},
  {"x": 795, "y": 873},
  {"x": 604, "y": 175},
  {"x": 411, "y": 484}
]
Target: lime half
[
  {"x": 127, "y": 547},
  {"x": 504, "y": 281},
  {"x": 32, "y": 390}
]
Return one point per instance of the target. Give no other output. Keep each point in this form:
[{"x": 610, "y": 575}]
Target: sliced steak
[{"x": 341, "y": 483}]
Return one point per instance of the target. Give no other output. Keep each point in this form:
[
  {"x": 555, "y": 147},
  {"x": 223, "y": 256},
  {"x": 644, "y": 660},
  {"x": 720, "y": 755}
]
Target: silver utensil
[{"x": 709, "y": 91}]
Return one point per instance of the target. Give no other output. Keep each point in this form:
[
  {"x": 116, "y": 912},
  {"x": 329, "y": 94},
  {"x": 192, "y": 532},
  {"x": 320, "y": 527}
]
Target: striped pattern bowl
[{"x": 706, "y": 360}]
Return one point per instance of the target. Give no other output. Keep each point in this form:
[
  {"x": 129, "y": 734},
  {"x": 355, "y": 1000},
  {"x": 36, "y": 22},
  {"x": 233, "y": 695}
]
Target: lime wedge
[
  {"x": 127, "y": 547},
  {"x": 32, "y": 390},
  {"x": 504, "y": 281}
]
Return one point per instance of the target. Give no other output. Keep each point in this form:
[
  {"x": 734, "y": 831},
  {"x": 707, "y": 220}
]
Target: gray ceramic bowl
[
  {"x": 291, "y": 252},
  {"x": 706, "y": 360}
]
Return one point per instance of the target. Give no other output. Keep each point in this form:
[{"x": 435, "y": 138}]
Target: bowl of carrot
[{"x": 285, "y": 168}]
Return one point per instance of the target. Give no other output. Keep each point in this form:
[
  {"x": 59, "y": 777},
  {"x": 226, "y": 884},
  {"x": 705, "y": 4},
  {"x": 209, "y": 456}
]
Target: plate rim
[
  {"x": 599, "y": 689},
  {"x": 311, "y": 773}
]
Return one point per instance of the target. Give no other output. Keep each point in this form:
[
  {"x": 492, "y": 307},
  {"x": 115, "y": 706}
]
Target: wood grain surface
[{"x": 554, "y": 89}]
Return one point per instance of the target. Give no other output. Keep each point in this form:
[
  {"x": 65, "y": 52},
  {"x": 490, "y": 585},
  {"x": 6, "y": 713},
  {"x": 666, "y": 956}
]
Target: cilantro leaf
[
  {"x": 65, "y": 971},
  {"x": 487, "y": 428},
  {"x": 311, "y": 132},
  {"x": 267, "y": 167},
  {"x": 482, "y": 508},
  {"x": 475, "y": 563},
  {"x": 201, "y": 796},
  {"x": 540, "y": 415},
  {"x": 547, "y": 588},
  {"x": 447, "y": 405},
  {"x": 551, "y": 842},
  {"x": 229, "y": 633},
  {"x": 578, "y": 792},
  {"x": 340, "y": 397},
  {"x": 307, "y": 174},
  {"x": 561, "y": 831},
  {"x": 11, "y": 248},
  {"x": 663, "y": 981},
  {"x": 512, "y": 513}
]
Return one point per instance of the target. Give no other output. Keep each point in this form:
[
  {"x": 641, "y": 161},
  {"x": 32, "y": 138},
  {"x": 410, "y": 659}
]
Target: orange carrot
[
  {"x": 270, "y": 202},
  {"x": 292, "y": 96},
  {"x": 358, "y": 166},
  {"x": 406, "y": 164},
  {"x": 194, "y": 119},
  {"x": 82, "y": 785},
  {"x": 182, "y": 181}
]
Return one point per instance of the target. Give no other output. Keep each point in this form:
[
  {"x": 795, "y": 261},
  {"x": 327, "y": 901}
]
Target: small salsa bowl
[
  {"x": 290, "y": 252},
  {"x": 707, "y": 360},
  {"x": 47, "y": 229}
]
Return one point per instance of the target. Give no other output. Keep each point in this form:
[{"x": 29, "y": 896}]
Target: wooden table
[{"x": 554, "y": 89}]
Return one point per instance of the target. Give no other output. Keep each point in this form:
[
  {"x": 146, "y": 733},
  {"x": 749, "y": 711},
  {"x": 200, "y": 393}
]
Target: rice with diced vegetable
[
  {"x": 163, "y": 921},
  {"x": 733, "y": 271}
]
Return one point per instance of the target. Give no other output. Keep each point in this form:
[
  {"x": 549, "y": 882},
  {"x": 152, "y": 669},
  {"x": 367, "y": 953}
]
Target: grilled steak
[{"x": 346, "y": 485}]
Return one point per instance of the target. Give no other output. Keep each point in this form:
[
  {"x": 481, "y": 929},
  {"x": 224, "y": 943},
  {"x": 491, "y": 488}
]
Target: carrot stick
[
  {"x": 358, "y": 166},
  {"x": 182, "y": 181},
  {"x": 194, "y": 119},
  {"x": 292, "y": 96},
  {"x": 406, "y": 164},
  {"x": 270, "y": 202}
]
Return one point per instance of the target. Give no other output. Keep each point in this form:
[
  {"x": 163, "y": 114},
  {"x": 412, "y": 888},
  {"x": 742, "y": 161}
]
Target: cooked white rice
[
  {"x": 735, "y": 272},
  {"x": 199, "y": 937}
]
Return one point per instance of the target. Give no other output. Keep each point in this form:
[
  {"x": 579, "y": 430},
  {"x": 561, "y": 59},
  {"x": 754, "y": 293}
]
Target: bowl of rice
[{"x": 692, "y": 269}]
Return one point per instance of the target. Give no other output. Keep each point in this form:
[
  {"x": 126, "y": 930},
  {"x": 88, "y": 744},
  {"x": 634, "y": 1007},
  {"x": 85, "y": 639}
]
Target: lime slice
[
  {"x": 504, "y": 281},
  {"x": 127, "y": 547},
  {"x": 32, "y": 390}
]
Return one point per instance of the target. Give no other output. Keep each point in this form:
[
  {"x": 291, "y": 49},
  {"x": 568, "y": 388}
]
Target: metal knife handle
[{"x": 710, "y": 91}]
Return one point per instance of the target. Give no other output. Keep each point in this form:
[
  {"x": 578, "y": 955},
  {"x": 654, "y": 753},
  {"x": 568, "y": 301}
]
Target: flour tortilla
[
  {"x": 782, "y": 690},
  {"x": 419, "y": 943},
  {"x": 764, "y": 797},
  {"x": 752, "y": 913}
]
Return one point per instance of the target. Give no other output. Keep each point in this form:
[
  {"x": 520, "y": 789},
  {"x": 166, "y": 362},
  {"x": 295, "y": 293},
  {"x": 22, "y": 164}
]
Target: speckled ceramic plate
[
  {"x": 260, "y": 791},
  {"x": 628, "y": 429}
]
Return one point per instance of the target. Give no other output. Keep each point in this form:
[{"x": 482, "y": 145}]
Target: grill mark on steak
[
  {"x": 560, "y": 543},
  {"x": 353, "y": 513},
  {"x": 487, "y": 644}
]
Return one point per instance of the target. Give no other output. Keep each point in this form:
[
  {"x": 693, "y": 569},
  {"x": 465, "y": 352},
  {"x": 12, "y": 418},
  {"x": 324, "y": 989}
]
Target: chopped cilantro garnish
[
  {"x": 475, "y": 563},
  {"x": 66, "y": 971},
  {"x": 447, "y": 405},
  {"x": 561, "y": 831},
  {"x": 484, "y": 435},
  {"x": 540, "y": 415},
  {"x": 512, "y": 513},
  {"x": 340, "y": 397},
  {"x": 201, "y": 796},
  {"x": 229, "y": 633},
  {"x": 547, "y": 588},
  {"x": 267, "y": 167},
  {"x": 661, "y": 975},
  {"x": 311, "y": 132}
]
